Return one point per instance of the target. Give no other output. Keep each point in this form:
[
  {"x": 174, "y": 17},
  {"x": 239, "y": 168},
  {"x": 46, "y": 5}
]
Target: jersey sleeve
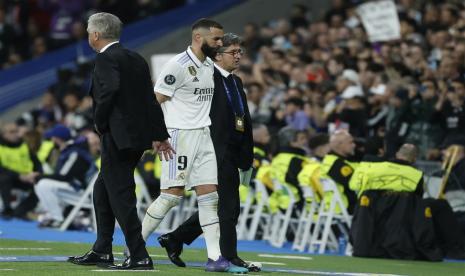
[{"x": 170, "y": 79}]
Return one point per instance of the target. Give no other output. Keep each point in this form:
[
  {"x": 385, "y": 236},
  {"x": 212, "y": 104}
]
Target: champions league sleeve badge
[{"x": 170, "y": 79}]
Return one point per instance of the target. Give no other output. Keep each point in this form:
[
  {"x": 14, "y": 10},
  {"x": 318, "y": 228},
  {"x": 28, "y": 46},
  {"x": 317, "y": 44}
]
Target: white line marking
[
  {"x": 290, "y": 257},
  {"x": 7, "y": 269},
  {"x": 24, "y": 248},
  {"x": 311, "y": 272},
  {"x": 125, "y": 270},
  {"x": 267, "y": 263},
  {"x": 8, "y": 258}
]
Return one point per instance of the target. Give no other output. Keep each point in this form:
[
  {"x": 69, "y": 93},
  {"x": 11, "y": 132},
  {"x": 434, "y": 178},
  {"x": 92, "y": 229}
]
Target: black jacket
[
  {"x": 222, "y": 127},
  {"x": 394, "y": 225},
  {"x": 124, "y": 102}
]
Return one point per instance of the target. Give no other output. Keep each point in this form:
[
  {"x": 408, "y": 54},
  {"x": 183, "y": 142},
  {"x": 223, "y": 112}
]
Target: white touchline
[
  {"x": 330, "y": 273},
  {"x": 24, "y": 248},
  {"x": 268, "y": 263},
  {"x": 7, "y": 269},
  {"x": 290, "y": 257},
  {"x": 8, "y": 258}
]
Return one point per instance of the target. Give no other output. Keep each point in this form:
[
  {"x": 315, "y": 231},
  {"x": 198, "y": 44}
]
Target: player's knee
[
  {"x": 176, "y": 191},
  {"x": 205, "y": 189}
]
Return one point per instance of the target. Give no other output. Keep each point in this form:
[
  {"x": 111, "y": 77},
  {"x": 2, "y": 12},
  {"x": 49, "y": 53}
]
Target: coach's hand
[{"x": 163, "y": 149}]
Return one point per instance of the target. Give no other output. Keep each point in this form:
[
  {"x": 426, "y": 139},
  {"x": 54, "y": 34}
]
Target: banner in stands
[{"x": 380, "y": 20}]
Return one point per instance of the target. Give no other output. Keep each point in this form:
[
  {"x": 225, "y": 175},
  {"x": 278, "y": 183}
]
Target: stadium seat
[
  {"x": 282, "y": 220},
  {"x": 260, "y": 216},
  {"x": 306, "y": 220},
  {"x": 80, "y": 201},
  {"x": 322, "y": 235},
  {"x": 245, "y": 214}
]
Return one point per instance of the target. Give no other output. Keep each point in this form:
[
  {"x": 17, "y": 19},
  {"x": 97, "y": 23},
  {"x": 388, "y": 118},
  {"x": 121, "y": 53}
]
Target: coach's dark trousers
[
  {"x": 228, "y": 208},
  {"x": 115, "y": 197}
]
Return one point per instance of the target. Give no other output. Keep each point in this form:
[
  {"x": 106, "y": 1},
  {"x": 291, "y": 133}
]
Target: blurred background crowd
[
  {"x": 314, "y": 75},
  {"x": 30, "y": 28}
]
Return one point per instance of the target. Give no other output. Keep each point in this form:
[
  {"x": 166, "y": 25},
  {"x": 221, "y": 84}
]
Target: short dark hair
[
  {"x": 295, "y": 101},
  {"x": 206, "y": 24},
  {"x": 317, "y": 140},
  {"x": 230, "y": 39}
]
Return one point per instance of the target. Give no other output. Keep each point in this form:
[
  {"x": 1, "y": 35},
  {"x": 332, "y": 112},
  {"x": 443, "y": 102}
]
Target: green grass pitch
[{"x": 316, "y": 265}]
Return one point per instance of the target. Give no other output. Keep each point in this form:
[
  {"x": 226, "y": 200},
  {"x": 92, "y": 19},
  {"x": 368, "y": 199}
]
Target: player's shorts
[{"x": 194, "y": 162}]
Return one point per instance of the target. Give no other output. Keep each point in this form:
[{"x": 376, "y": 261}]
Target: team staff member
[
  {"x": 19, "y": 168},
  {"x": 129, "y": 120},
  {"x": 185, "y": 90},
  {"x": 336, "y": 166},
  {"x": 231, "y": 132}
]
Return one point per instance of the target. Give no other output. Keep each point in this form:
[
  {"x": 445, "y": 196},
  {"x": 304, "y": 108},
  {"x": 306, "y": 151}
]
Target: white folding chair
[
  {"x": 245, "y": 215},
  {"x": 281, "y": 220},
  {"x": 258, "y": 214},
  {"x": 322, "y": 235},
  {"x": 82, "y": 200},
  {"x": 302, "y": 235}
]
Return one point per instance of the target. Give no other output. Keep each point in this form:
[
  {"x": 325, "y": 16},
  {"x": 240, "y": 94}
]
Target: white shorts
[{"x": 194, "y": 162}]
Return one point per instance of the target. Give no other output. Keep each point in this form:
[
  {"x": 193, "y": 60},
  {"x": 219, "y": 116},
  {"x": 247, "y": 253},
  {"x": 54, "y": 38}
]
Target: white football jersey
[{"x": 189, "y": 83}]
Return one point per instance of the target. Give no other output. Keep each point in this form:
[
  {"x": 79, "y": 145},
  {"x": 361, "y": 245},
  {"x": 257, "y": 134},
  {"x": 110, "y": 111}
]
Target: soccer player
[{"x": 185, "y": 91}]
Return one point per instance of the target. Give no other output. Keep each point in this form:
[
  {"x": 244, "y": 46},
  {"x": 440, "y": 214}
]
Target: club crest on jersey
[
  {"x": 195, "y": 79},
  {"x": 192, "y": 70},
  {"x": 170, "y": 79}
]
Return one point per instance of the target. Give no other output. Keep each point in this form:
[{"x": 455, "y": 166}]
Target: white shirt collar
[
  {"x": 108, "y": 45},
  {"x": 196, "y": 61},
  {"x": 223, "y": 72}
]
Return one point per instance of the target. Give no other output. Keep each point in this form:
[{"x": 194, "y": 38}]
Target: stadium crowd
[
  {"x": 30, "y": 28},
  {"x": 304, "y": 77}
]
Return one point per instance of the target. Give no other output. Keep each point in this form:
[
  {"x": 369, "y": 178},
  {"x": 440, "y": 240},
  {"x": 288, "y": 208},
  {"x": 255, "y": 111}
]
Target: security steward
[
  {"x": 393, "y": 221},
  {"x": 336, "y": 166},
  {"x": 19, "y": 168},
  {"x": 231, "y": 132},
  {"x": 310, "y": 174},
  {"x": 286, "y": 166}
]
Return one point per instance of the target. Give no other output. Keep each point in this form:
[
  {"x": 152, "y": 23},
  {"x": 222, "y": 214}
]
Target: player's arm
[
  {"x": 161, "y": 98},
  {"x": 168, "y": 81}
]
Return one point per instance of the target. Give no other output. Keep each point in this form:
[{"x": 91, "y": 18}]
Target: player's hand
[{"x": 164, "y": 150}]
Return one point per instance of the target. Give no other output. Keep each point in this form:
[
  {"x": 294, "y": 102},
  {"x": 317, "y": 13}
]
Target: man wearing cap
[{"x": 73, "y": 168}]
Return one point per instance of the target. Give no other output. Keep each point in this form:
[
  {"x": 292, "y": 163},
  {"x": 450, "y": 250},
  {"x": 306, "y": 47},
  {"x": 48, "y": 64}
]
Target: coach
[{"x": 129, "y": 120}]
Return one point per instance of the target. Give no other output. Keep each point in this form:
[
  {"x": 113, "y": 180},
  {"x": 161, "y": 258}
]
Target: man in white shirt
[{"x": 185, "y": 90}]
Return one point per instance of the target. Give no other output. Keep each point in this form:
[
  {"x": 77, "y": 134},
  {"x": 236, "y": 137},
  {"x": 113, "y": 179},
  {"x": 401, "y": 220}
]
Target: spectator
[
  {"x": 73, "y": 169},
  {"x": 295, "y": 116}
]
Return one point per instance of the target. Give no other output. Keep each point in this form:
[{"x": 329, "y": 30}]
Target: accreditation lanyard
[{"x": 228, "y": 93}]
